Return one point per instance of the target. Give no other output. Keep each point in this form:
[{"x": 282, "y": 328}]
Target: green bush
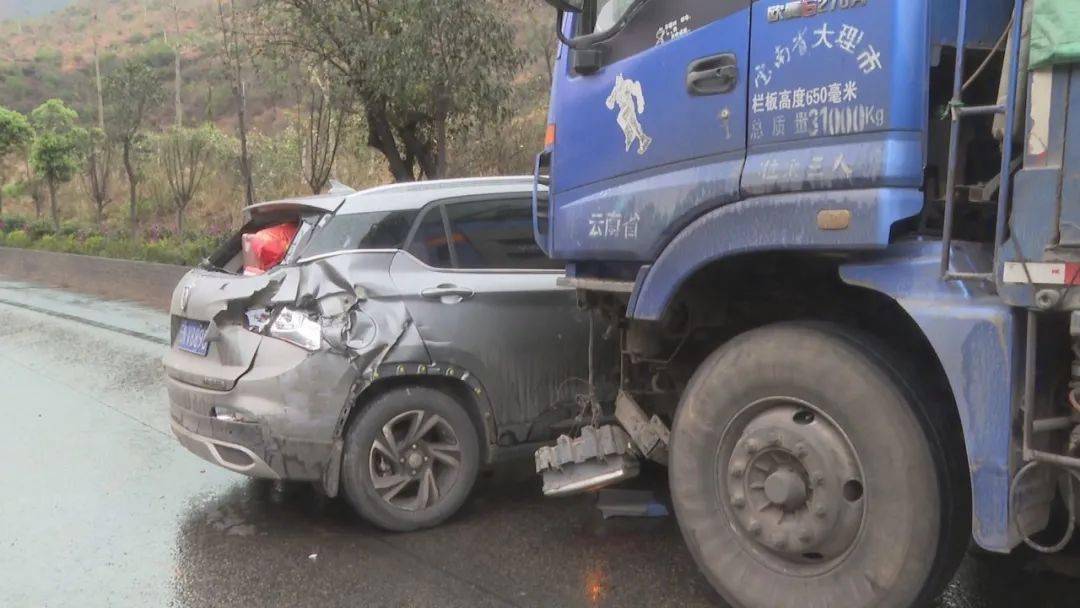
[
  {"x": 18, "y": 238},
  {"x": 11, "y": 224},
  {"x": 69, "y": 229},
  {"x": 93, "y": 245},
  {"x": 38, "y": 229},
  {"x": 46, "y": 242},
  {"x": 84, "y": 240}
]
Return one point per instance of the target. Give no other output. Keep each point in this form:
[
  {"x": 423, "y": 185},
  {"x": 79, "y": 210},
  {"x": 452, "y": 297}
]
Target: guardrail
[{"x": 144, "y": 282}]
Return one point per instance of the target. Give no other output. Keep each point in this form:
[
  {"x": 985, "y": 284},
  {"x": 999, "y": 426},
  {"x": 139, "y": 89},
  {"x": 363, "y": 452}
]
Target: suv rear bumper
[
  {"x": 278, "y": 420},
  {"x": 232, "y": 456}
]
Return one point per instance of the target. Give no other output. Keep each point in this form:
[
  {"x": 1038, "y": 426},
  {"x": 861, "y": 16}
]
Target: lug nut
[
  {"x": 800, "y": 450},
  {"x": 739, "y": 501},
  {"x": 425, "y": 458},
  {"x": 820, "y": 511},
  {"x": 402, "y": 461},
  {"x": 737, "y": 469},
  {"x": 775, "y": 439},
  {"x": 754, "y": 527},
  {"x": 752, "y": 446},
  {"x": 817, "y": 478},
  {"x": 414, "y": 446}
]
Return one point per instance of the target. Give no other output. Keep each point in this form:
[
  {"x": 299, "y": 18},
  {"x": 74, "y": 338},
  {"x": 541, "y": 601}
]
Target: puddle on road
[{"x": 509, "y": 544}]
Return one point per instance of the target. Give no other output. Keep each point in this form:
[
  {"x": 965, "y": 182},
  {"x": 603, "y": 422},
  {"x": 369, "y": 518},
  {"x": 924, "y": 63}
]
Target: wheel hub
[
  {"x": 786, "y": 489},
  {"x": 788, "y": 481},
  {"x": 415, "y": 460}
]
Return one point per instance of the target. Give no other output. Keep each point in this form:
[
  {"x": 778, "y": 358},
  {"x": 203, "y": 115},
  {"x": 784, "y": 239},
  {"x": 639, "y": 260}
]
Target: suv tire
[{"x": 411, "y": 459}]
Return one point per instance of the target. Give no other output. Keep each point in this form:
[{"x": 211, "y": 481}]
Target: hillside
[
  {"x": 47, "y": 51},
  {"x": 51, "y": 55},
  {"x": 21, "y": 9}
]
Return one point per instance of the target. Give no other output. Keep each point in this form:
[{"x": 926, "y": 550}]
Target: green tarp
[{"x": 1055, "y": 33}]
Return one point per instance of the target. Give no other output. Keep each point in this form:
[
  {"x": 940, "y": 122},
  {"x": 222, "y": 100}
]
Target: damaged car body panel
[{"x": 290, "y": 354}]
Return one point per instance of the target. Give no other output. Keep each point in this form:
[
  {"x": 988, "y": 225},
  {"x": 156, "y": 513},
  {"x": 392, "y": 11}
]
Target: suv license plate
[{"x": 192, "y": 337}]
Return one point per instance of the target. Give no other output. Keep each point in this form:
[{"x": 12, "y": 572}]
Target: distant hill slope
[
  {"x": 19, "y": 9},
  {"x": 51, "y": 55}
]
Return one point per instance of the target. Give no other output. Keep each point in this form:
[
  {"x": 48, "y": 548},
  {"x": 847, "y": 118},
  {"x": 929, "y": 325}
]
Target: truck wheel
[
  {"x": 804, "y": 473},
  {"x": 411, "y": 458}
]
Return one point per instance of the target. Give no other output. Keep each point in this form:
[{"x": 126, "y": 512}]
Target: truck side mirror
[{"x": 570, "y": 6}]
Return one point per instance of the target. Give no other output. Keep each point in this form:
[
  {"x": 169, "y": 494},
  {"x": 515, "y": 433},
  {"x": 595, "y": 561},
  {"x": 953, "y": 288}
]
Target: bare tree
[
  {"x": 185, "y": 154},
  {"x": 178, "y": 82},
  {"x": 132, "y": 91},
  {"x": 99, "y": 150},
  {"x": 234, "y": 58},
  {"x": 98, "y": 169},
  {"x": 324, "y": 131}
]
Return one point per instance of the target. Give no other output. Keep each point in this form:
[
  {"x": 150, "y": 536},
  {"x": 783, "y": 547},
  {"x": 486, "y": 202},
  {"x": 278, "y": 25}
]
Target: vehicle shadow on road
[
  {"x": 252, "y": 545},
  {"x": 509, "y": 546}
]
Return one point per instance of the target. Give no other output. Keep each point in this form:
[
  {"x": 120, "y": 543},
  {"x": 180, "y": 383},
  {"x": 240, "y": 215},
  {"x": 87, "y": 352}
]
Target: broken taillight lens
[{"x": 267, "y": 248}]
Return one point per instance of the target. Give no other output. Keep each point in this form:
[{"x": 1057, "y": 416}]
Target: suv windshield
[{"x": 374, "y": 230}]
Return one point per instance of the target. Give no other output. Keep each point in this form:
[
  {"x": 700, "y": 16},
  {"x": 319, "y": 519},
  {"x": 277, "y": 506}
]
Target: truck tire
[
  {"x": 806, "y": 471},
  {"x": 411, "y": 459}
]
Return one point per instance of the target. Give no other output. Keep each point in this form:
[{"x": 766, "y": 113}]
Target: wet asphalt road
[{"x": 101, "y": 507}]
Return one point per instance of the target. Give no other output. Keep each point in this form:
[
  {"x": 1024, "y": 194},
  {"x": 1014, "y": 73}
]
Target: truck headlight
[{"x": 296, "y": 327}]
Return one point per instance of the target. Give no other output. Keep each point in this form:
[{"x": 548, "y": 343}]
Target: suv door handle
[
  {"x": 449, "y": 294},
  {"x": 713, "y": 75}
]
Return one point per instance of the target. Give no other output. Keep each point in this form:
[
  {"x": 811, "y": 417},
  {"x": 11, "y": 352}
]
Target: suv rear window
[
  {"x": 374, "y": 230},
  {"x": 496, "y": 234}
]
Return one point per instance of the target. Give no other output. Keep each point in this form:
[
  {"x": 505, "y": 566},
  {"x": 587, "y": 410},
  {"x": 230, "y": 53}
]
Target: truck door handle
[
  {"x": 713, "y": 75},
  {"x": 449, "y": 294}
]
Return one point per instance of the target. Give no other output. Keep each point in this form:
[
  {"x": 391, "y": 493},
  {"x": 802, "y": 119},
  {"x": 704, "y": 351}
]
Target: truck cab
[{"x": 836, "y": 239}]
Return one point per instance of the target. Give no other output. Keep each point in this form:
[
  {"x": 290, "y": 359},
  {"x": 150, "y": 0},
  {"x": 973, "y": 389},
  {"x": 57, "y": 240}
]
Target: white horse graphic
[{"x": 628, "y": 95}]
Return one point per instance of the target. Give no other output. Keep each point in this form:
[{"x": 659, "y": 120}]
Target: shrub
[
  {"x": 38, "y": 229},
  {"x": 10, "y": 224},
  {"x": 69, "y": 229},
  {"x": 93, "y": 245},
  {"x": 18, "y": 238},
  {"x": 46, "y": 242}
]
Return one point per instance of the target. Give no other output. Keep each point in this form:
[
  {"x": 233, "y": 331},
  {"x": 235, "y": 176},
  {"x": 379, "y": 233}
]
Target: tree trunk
[
  {"x": 245, "y": 159},
  {"x": 35, "y": 190},
  {"x": 179, "y": 105},
  {"x": 53, "y": 209},
  {"x": 97, "y": 78},
  {"x": 176, "y": 67},
  {"x": 129, "y": 168},
  {"x": 381, "y": 137},
  {"x": 441, "y": 148},
  {"x": 179, "y": 221}
]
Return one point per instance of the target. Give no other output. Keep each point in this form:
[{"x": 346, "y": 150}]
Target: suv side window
[
  {"x": 429, "y": 243},
  {"x": 496, "y": 234},
  {"x": 370, "y": 230}
]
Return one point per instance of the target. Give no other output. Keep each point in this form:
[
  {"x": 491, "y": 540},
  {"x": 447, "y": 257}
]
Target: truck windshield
[
  {"x": 373, "y": 230},
  {"x": 609, "y": 12}
]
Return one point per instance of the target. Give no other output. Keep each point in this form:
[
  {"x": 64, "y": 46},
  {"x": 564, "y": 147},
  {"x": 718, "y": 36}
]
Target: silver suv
[{"x": 409, "y": 335}]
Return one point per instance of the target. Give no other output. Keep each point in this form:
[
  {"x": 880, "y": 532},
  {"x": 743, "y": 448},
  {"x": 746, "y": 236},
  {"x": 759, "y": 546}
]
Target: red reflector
[
  {"x": 549, "y": 136},
  {"x": 266, "y": 248}
]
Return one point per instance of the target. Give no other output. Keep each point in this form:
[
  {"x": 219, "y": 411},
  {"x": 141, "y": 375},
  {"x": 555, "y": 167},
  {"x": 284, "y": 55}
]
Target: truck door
[{"x": 654, "y": 135}]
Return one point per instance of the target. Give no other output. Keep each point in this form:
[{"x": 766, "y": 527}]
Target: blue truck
[{"x": 836, "y": 242}]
